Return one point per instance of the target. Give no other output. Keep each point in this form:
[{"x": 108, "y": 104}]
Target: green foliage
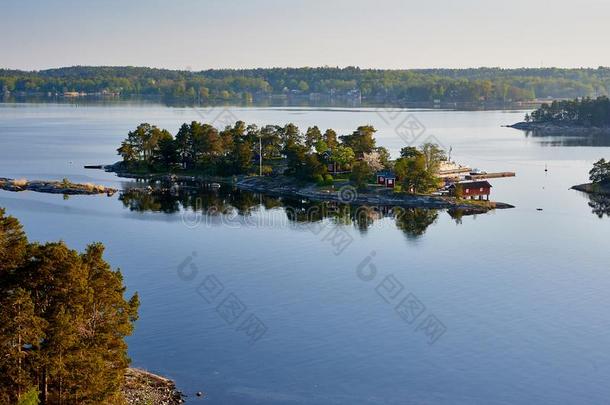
[
  {"x": 29, "y": 398},
  {"x": 361, "y": 175},
  {"x": 312, "y": 136},
  {"x": 330, "y": 138},
  {"x": 61, "y": 311},
  {"x": 409, "y": 152},
  {"x": 343, "y": 155},
  {"x": 328, "y": 180},
  {"x": 417, "y": 169},
  {"x": 304, "y": 164},
  {"x": 433, "y": 156},
  {"x": 148, "y": 144},
  {"x": 458, "y": 191},
  {"x": 361, "y": 141},
  {"x": 235, "y": 149},
  {"x": 13, "y": 245},
  {"x": 600, "y": 173},
  {"x": 582, "y": 112}
]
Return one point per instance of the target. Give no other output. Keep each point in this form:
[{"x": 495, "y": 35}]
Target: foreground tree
[{"x": 63, "y": 322}]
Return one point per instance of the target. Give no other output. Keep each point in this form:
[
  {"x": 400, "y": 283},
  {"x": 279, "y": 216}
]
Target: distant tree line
[
  {"x": 242, "y": 149},
  {"x": 416, "y": 85},
  {"x": 63, "y": 321},
  {"x": 583, "y": 112}
]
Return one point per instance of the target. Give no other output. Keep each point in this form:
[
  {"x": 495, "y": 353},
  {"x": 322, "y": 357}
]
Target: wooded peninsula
[{"x": 578, "y": 114}]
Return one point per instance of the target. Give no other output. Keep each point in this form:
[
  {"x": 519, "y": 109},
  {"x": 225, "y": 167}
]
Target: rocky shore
[
  {"x": 54, "y": 187},
  {"x": 382, "y": 197},
  {"x": 144, "y": 388},
  {"x": 593, "y": 188},
  {"x": 282, "y": 186}
]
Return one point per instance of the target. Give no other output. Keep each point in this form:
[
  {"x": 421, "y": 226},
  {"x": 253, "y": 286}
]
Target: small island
[
  {"x": 65, "y": 187},
  {"x": 576, "y": 116},
  {"x": 600, "y": 179},
  {"x": 283, "y": 161}
]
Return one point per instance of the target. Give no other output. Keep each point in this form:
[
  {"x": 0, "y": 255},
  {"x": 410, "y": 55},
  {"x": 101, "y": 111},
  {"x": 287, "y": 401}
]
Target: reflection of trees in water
[
  {"x": 459, "y": 213},
  {"x": 149, "y": 201},
  {"x": 600, "y": 204},
  {"x": 342, "y": 214},
  {"x": 566, "y": 138},
  {"x": 412, "y": 221}
]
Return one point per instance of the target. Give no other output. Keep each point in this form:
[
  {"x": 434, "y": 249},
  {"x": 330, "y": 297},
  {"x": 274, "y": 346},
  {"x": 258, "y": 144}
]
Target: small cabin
[
  {"x": 473, "y": 189},
  {"x": 386, "y": 178}
]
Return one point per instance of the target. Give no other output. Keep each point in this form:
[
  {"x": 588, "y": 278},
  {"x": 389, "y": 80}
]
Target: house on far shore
[
  {"x": 472, "y": 189},
  {"x": 386, "y": 178}
]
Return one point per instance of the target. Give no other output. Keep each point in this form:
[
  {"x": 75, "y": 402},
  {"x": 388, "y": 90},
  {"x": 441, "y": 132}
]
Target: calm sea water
[{"x": 256, "y": 305}]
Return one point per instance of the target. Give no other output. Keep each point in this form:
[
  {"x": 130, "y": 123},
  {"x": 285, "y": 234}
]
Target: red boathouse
[{"x": 472, "y": 189}]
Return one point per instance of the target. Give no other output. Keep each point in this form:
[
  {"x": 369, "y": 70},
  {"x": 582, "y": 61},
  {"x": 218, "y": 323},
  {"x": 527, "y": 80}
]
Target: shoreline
[
  {"x": 142, "y": 387},
  {"x": 385, "y": 198},
  {"x": 279, "y": 186},
  {"x": 557, "y": 127},
  {"x": 54, "y": 187},
  {"x": 282, "y": 186}
]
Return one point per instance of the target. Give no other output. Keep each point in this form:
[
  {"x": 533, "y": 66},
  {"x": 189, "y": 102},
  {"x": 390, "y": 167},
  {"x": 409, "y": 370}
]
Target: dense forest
[
  {"x": 417, "y": 85},
  {"x": 584, "y": 112},
  {"x": 63, "y": 322}
]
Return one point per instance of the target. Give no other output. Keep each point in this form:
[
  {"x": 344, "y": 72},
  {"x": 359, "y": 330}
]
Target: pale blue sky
[{"x": 205, "y": 34}]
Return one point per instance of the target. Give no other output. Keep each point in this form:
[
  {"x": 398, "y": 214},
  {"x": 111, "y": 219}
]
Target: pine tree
[
  {"x": 63, "y": 322},
  {"x": 21, "y": 332}
]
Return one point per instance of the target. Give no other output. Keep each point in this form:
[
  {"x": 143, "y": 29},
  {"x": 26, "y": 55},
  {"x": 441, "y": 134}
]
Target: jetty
[{"x": 481, "y": 176}]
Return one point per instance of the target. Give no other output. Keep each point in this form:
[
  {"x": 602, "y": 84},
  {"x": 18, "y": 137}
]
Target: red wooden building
[
  {"x": 386, "y": 178},
  {"x": 473, "y": 189}
]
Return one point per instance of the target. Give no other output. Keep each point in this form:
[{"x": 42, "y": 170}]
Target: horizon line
[{"x": 188, "y": 69}]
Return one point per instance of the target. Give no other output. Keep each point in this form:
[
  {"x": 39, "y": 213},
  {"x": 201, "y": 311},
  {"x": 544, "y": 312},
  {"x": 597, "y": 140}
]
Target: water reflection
[
  {"x": 236, "y": 207},
  {"x": 565, "y": 138},
  {"x": 600, "y": 204}
]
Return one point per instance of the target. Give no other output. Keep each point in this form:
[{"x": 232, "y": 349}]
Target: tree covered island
[
  {"x": 577, "y": 114},
  {"x": 278, "y": 159},
  {"x": 598, "y": 190},
  {"x": 599, "y": 175}
]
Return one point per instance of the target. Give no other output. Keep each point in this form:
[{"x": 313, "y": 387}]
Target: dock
[{"x": 489, "y": 175}]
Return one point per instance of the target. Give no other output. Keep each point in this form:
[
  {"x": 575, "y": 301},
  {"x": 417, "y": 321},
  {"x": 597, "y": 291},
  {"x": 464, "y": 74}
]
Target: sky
[{"x": 203, "y": 34}]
